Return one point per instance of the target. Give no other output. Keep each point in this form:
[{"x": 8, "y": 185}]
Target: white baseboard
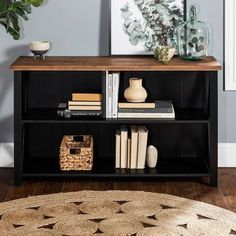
[
  {"x": 6, "y": 154},
  {"x": 226, "y": 157}
]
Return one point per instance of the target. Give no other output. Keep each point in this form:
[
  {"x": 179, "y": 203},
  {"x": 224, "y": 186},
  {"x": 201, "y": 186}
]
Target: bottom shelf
[{"x": 167, "y": 167}]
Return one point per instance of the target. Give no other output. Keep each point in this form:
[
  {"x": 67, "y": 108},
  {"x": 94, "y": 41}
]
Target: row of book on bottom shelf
[{"x": 131, "y": 146}]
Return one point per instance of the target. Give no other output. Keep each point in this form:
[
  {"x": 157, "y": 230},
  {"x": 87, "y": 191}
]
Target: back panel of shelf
[
  {"x": 174, "y": 142},
  {"x": 45, "y": 90}
]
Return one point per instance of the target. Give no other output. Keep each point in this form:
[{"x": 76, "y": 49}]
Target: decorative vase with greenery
[
  {"x": 165, "y": 51},
  {"x": 12, "y": 10}
]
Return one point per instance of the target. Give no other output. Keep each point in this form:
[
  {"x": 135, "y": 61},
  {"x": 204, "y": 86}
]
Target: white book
[
  {"x": 129, "y": 153},
  {"x": 118, "y": 139},
  {"x": 110, "y": 96},
  {"x": 107, "y": 95},
  {"x": 115, "y": 86},
  {"x": 142, "y": 146},
  {"x": 123, "y": 147},
  {"x": 147, "y": 115},
  {"x": 134, "y": 147}
]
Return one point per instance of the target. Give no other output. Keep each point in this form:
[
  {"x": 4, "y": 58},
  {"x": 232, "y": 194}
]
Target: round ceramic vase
[
  {"x": 152, "y": 156},
  {"x": 136, "y": 92}
]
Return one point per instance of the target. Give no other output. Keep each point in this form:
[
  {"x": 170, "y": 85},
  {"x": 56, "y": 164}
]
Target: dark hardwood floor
[{"x": 223, "y": 196}]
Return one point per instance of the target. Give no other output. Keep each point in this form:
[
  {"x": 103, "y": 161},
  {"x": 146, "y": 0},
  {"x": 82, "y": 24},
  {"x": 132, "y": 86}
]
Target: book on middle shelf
[
  {"x": 112, "y": 81},
  {"x": 131, "y": 147},
  {"x": 162, "y": 109},
  {"x": 85, "y": 104}
]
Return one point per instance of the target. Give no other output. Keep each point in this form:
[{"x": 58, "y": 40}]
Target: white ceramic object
[
  {"x": 136, "y": 92},
  {"x": 39, "y": 48},
  {"x": 152, "y": 156}
]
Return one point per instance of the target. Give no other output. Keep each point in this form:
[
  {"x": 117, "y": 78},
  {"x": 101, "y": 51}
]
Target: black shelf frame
[{"x": 26, "y": 166}]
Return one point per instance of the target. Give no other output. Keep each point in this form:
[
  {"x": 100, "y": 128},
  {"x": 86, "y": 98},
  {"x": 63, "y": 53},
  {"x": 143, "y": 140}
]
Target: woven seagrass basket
[{"x": 76, "y": 153}]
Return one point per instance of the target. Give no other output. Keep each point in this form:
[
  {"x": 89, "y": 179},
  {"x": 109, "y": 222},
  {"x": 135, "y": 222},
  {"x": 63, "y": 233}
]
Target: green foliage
[{"x": 11, "y": 11}]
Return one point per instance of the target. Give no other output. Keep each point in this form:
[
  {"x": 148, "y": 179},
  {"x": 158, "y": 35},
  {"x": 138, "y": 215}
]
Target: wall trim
[
  {"x": 6, "y": 154},
  {"x": 227, "y": 154},
  {"x": 230, "y": 45}
]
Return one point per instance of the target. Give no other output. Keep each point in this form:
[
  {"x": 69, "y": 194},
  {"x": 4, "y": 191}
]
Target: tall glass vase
[{"x": 193, "y": 37}]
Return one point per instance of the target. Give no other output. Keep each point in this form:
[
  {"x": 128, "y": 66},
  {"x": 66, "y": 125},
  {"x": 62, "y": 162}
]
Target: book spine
[
  {"x": 110, "y": 96},
  {"x": 142, "y": 147},
  {"x": 123, "y": 148},
  {"x": 85, "y": 108},
  {"x": 118, "y": 143},
  {"x": 76, "y": 103},
  {"x": 85, "y": 113},
  {"x": 134, "y": 147},
  {"x": 115, "y": 94},
  {"x": 129, "y": 153},
  {"x": 144, "y": 110},
  {"x": 96, "y": 97},
  {"x": 137, "y": 105},
  {"x": 104, "y": 94},
  {"x": 147, "y": 115}
]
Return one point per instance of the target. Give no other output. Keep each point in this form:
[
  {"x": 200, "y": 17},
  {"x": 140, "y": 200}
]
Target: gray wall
[{"x": 80, "y": 27}]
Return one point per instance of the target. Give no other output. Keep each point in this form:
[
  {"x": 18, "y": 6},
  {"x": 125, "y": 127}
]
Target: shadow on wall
[
  {"x": 104, "y": 28},
  {"x": 6, "y": 85}
]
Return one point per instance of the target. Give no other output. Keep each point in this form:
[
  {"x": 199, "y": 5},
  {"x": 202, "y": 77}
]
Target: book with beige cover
[
  {"x": 129, "y": 153},
  {"x": 123, "y": 147},
  {"x": 118, "y": 142},
  {"x": 134, "y": 147},
  {"x": 142, "y": 146},
  {"x": 83, "y": 108},
  {"x": 136, "y": 105},
  {"x": 83, "y": 103}
]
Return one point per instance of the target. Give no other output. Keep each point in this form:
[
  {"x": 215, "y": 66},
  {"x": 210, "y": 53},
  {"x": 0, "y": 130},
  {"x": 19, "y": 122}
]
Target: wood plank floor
[{"x": 223, "y": 196}]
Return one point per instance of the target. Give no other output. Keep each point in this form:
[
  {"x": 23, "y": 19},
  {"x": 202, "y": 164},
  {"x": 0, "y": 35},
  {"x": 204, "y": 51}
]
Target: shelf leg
[
  {"x": 18, "y": 155},
  {"x": 213, "y": 128}
]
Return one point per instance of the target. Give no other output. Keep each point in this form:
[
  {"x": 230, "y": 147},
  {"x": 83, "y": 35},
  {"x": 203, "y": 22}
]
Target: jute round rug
[{"x": 113, "y": 213}]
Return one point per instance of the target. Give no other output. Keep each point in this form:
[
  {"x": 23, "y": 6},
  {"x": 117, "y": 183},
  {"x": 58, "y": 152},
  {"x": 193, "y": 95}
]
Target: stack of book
[
  {"x": 86, "y": 104},
  {"x": 131, "y": 147},
  {"x": 158, "y": 109},
  {"x": 112, "y": 81}
]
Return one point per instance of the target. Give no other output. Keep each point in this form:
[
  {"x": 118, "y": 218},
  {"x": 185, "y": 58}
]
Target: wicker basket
[{"x": 76, "y": 153}]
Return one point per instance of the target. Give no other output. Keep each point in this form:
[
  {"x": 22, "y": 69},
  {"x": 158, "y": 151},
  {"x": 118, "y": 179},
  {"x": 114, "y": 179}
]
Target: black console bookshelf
[{"x": 187, "y": 145}]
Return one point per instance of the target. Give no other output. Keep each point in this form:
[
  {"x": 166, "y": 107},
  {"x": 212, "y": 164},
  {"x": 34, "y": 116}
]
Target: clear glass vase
[{"x": 193, "y": 37}]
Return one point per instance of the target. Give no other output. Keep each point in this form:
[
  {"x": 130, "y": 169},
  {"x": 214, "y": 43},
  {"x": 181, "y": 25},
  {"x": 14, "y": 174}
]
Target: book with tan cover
[
  {"x": 96, "y": 97},
  {"x": 129, "y": 153},
  {"x": 134, "y": 147},
  {"x": 118, "y": 139},
  {"x": 142, "y": 146},
  {"x": 84, "y": 103},
  {"x": 136, "y": 105},
  {"x": 123, "y": 147}
]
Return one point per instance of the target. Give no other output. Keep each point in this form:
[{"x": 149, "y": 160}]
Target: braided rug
[{"x": 114, "y": 213}]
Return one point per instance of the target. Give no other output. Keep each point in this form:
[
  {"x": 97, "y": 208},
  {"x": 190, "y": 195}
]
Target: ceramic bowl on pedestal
[{"x": 39, "y": 48}]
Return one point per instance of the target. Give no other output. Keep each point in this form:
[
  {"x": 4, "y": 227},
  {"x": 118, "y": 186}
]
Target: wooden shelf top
[{"x": 70, "y": 63}]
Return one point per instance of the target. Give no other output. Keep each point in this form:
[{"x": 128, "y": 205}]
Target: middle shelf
[{"x": 49, "y": 115}]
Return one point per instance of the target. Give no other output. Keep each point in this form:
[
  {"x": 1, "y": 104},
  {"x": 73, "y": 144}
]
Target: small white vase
[
  {"x": 136, "y": 92},
  {"x": 152, "y": 156}
]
